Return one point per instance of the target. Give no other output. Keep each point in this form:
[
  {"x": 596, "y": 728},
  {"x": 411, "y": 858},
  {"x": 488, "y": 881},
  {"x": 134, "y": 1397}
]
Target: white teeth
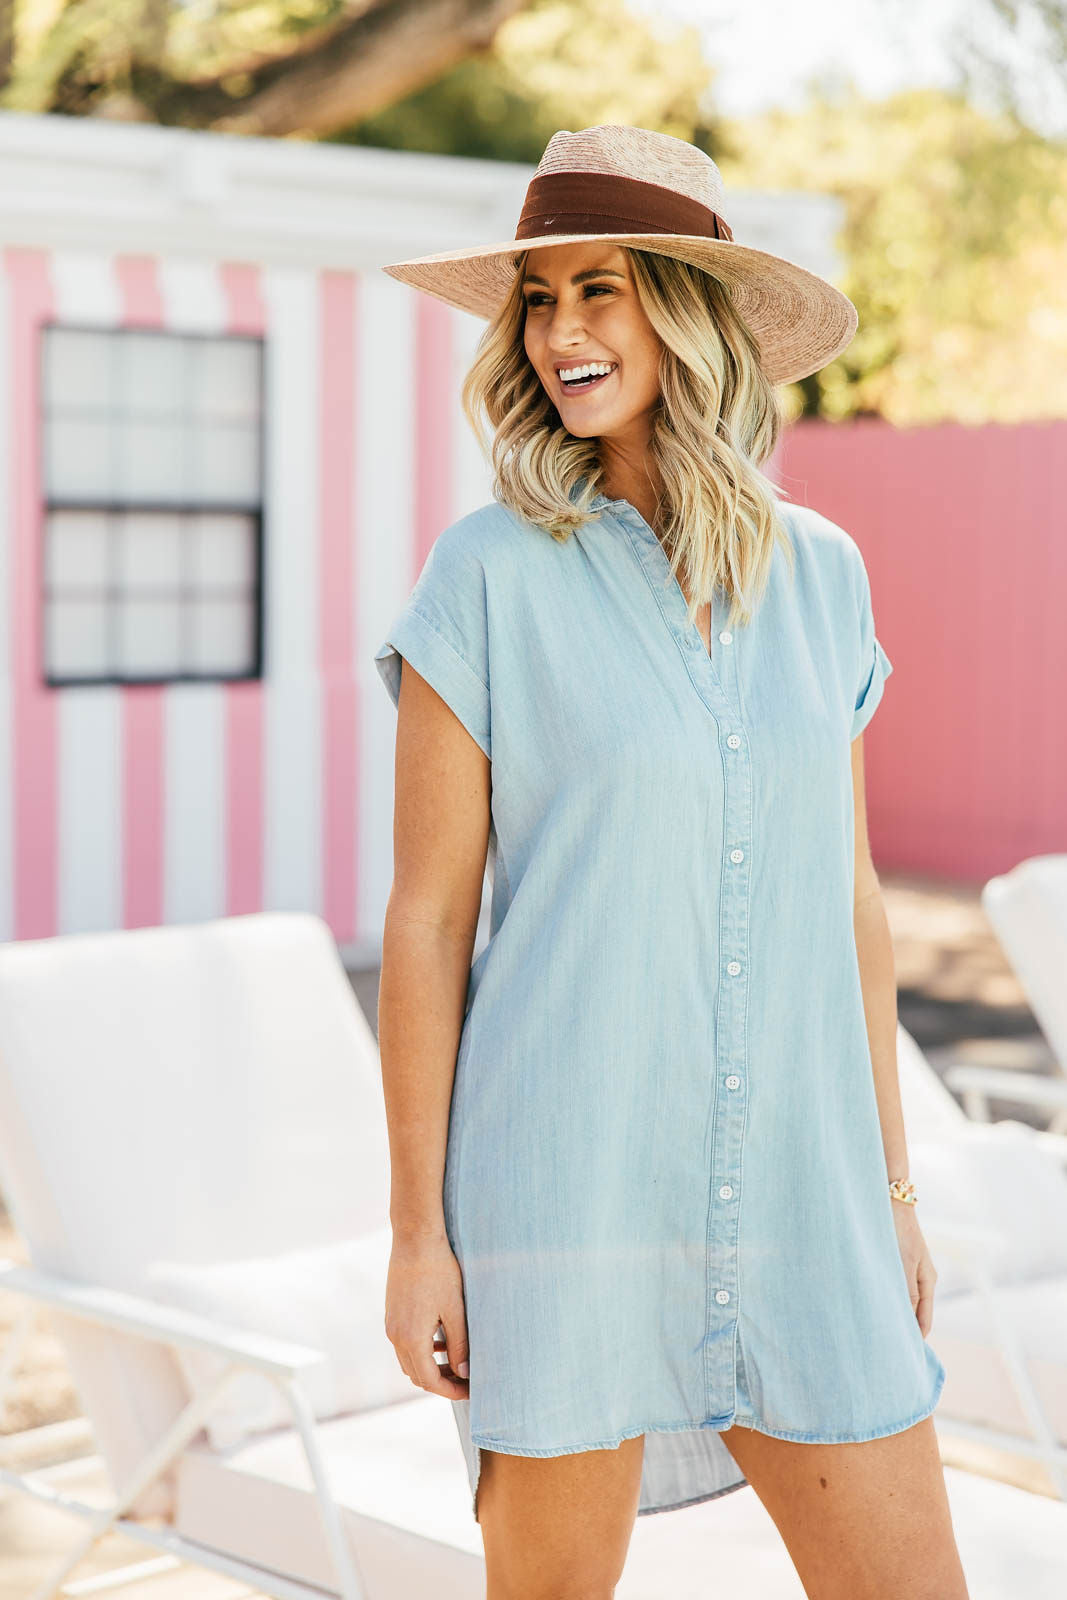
[{"x": 597, "y": 368}]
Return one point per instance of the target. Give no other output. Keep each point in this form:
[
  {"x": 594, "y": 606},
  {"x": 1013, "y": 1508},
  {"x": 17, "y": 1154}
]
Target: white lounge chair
[
  {"x": 201, "y": 1094},
  {"x": 210, "y": 1094},
  {"x": 993, "y": 1200},
  {"x": 1027, "y": 908}
]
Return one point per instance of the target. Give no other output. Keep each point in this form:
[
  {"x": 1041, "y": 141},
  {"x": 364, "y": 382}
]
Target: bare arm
[
  {"x": 874, "y": 948},
  {"x": 440, "y": 840}
]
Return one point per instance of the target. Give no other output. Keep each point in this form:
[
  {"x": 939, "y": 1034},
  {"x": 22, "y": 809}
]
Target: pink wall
[{"x": 964, "y": 533}]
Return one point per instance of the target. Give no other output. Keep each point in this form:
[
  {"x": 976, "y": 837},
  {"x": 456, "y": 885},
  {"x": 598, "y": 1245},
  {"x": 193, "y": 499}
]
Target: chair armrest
[
  {"x": 1000, "y": 1083},
  {"x": 151, "y": 1319}
]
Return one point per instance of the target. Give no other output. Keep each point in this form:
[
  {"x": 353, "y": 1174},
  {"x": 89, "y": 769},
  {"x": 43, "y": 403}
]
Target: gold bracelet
[{"x": 903, "y": 1189}]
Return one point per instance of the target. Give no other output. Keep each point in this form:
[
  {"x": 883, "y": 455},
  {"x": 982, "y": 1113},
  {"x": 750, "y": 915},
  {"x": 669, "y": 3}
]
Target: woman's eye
[{"x": 591, "y": 288}]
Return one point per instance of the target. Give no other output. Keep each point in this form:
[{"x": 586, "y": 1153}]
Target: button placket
[
  {"x": 716, "y": 683},
  {"x": 720, "y": 1349},
  {"x": 724, "y": 648},
  {"x": 721, "y": 1357}
]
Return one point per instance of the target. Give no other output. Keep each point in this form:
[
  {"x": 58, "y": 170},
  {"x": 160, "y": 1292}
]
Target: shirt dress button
[
  {"x": 733, "y": 740},
  {"x": 733, "y": 968},
  {"x": 725, "y": 1192},
  {"x": 722, "y": 1295},
  {"x": 737, "y": 855},
  {"x": 733, "y": 1081},
  {"x": 725, "y": 637}
]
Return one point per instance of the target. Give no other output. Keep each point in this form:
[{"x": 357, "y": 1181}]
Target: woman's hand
[
  {"x": 918, "y": 1264},
  {"x": 424, "y": 1290}
]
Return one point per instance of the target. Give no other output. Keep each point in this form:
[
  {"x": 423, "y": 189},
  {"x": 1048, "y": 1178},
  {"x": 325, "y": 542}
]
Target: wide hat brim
[{"x": 799, "y": 320}]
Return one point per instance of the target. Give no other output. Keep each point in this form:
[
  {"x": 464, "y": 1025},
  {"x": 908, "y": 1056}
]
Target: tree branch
[{"x": 335, "y": 77}]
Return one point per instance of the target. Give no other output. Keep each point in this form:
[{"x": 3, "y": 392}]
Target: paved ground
[{"x": 956, "y": 995}]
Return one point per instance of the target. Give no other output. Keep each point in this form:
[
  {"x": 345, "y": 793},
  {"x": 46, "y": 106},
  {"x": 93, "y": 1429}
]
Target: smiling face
[{"x": 582, "y": 308}]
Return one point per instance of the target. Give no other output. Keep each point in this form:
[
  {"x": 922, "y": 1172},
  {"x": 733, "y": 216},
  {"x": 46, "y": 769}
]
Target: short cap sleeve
[
  {"x": 874, "y": 665},
  {"x": 442, "y": 630}
]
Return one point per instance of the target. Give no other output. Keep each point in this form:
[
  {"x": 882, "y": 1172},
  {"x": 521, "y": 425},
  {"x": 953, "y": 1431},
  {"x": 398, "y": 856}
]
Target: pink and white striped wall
[{"x": 129, "y": 805}]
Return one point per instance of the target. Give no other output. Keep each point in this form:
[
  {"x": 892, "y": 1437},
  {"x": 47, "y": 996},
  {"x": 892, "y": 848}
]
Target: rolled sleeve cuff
[
  {"x": 872, "y": 694},
  {"x": 434, "y": 659}
]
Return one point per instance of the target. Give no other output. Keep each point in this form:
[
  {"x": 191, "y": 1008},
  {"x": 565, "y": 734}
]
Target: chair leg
[
  {"x": 158, "y": 1458},
  {"x": 135, "y": 1572},
  {"x": 1051, "y": 1451},
  {"x": 351, "y": 1584}
]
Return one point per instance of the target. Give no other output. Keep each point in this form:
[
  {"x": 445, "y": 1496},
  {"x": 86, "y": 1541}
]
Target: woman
[{"x": 648, "y": 1160}]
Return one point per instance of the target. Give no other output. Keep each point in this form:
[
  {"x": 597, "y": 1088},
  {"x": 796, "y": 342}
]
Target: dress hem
[
  {"x": 604, "y": 1444},
  {"x": 850, "y": 1438},
  {"x": 743, "y": 1421},
  {"x": 696, "y": 1500}
]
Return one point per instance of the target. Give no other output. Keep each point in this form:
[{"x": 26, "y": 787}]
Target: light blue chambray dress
[{"x": 665, "y": 1181}]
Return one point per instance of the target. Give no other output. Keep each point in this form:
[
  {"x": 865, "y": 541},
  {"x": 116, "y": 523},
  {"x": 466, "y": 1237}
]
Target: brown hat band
[{"x": 601, "y": 202}]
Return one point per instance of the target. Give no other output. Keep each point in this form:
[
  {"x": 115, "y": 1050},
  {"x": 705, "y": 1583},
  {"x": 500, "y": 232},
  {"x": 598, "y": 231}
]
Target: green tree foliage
[
  {"x": 954, "y": 244},
  {"x": 556, "y": 64},
  {"x": 267, "y": 67}
]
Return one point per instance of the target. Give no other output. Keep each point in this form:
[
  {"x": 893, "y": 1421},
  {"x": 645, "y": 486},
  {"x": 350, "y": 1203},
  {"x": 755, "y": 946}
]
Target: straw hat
[{"x": 637, "y": 187}]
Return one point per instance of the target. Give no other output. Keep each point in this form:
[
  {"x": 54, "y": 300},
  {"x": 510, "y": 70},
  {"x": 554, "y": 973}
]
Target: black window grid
[{"x": 113, "y": 592}]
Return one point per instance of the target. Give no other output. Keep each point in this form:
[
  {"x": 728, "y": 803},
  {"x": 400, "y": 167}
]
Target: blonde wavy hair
[{"x": 717, "y": 419}]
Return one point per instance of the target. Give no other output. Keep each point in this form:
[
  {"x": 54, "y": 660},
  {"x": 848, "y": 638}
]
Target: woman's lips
[{"x": 588, "y": 386}]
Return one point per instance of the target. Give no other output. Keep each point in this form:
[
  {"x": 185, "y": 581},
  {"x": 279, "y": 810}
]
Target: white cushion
[
  {"x": 993, "y": 1174},
  {"x": 397, "y": 1476},
  {"x": 331, "y": 1297}
]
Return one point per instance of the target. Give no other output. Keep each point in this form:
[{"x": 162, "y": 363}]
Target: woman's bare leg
[
  {"x": 860, "y": 1521},
  {"x": 558, "y": 1527}
]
